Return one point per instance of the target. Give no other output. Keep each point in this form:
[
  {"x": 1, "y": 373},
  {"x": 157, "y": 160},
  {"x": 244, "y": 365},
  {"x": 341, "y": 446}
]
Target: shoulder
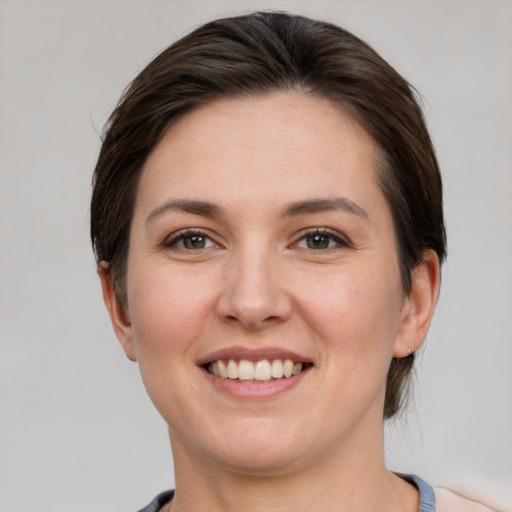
[
  {"x": 441, "y": 499},
  {"x": 161, "y": 500},
  {"x": 451, "y": 501}
]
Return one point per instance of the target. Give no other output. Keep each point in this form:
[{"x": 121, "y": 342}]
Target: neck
[{"x": 354, "y": 479}]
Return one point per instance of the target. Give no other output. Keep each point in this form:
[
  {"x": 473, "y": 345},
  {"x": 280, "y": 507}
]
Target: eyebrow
[
  {"x": 321, "y": 205},
  {"x": 194, "y": 206},
  {"x": 294, "y": 209}
]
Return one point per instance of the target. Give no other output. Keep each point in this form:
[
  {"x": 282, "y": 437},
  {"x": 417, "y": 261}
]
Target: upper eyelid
[
  {"x": 183, "y": 233},
  {"x": 322, "y": 231}
]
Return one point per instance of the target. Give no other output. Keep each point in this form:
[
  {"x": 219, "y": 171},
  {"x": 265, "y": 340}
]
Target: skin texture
[{"x": 255, "y": 283}]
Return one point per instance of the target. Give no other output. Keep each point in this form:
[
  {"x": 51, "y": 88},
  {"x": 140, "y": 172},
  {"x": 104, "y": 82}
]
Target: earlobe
[
  {"x": 117, "y": 311},
  {"x": 419, "y": 305}
]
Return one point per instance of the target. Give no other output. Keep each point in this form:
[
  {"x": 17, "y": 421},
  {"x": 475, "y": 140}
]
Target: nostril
[
  {"x": 252, "y": 322},
  {"x": 254, "y": 312}
]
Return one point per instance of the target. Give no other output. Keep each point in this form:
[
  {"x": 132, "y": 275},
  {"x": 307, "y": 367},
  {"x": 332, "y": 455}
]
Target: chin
[
  {"x": 255, "y": 446},
  {"x": 265, "y": 460}
]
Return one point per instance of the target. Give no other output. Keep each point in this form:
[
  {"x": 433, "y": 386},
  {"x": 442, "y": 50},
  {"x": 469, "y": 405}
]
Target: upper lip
[{"x": 252, "y": 354}]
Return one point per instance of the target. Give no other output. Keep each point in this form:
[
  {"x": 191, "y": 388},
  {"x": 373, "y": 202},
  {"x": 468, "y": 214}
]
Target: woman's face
[{"x": 260, "y": 235}]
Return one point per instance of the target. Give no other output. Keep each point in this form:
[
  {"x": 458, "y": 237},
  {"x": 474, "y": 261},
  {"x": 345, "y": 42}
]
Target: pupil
[
  {"x": 194, "y": 242},
  {"x": 318, "y": 242}
]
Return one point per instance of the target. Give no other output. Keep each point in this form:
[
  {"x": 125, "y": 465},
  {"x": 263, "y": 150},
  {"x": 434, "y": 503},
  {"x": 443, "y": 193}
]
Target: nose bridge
[{"x": 253, "y": 293}]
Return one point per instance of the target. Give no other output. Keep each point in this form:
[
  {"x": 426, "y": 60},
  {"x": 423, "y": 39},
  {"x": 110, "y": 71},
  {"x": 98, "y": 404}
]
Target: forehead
[{"x": 261, "y": 148}]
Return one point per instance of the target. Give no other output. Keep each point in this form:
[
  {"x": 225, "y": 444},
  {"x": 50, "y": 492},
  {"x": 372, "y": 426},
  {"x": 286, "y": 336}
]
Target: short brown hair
[{"x": 261, "y": 53}]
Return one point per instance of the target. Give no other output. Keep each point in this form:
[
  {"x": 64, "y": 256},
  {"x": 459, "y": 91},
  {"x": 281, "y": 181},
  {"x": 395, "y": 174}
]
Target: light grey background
[{"x": 77, "y": 432}]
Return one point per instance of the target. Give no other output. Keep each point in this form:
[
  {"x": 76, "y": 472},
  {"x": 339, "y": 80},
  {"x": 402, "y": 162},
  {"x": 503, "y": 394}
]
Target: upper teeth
[{"x": 259, "y": 370}]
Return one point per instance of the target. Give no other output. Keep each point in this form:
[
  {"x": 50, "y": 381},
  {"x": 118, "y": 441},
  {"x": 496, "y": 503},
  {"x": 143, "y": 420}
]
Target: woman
[{"x": 268, "y": 225}]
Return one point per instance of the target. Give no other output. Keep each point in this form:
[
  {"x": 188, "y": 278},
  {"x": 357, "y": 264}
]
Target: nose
[{"x": 253, "y": 295}]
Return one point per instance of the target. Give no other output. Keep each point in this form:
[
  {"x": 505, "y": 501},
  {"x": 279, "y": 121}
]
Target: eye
[
  {"x": 321, "y": 240},
  {"x": 190, "y": 240}
]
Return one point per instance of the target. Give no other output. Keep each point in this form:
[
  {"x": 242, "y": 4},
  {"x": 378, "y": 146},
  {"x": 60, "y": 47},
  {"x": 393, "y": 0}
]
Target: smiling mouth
[{"x": 264, "y": 370}]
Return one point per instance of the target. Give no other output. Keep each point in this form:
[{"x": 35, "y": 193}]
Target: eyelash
[
  {"x": 184, "y": 235},
  {"x": 188, "y": 234},
  {"x": 325, "y": 233}
]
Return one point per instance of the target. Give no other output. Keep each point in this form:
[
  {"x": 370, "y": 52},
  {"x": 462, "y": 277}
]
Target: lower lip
[{"x": 254, "y": 390}]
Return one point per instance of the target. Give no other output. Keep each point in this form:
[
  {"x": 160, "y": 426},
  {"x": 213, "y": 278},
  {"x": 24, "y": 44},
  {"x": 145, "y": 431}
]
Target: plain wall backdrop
[{"x": 77, "y": 432}]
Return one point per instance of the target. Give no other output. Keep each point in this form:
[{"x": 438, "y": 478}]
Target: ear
[
  {"x": 419, "y": 305},
  {"x": 117, "y": 311}
]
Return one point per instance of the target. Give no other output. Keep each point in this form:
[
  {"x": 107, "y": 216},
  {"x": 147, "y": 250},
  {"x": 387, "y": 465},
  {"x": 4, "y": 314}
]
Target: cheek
[
  {"x": 169, "y": 319},
  {"x": 355, "y": 311},
  {"x": 352, "y": 315},
  {"x": 167, "y": 311}
]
